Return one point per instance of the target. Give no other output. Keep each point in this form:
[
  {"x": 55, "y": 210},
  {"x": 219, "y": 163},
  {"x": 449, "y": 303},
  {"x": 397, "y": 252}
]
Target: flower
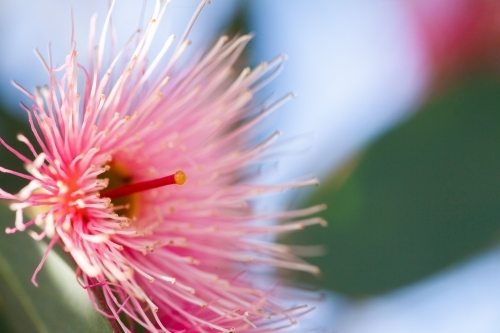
[{"x": 169, "y": 258}]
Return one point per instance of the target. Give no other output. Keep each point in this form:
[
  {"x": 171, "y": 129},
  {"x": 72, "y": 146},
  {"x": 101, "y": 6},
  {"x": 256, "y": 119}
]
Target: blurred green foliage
[
  {"x": 10, "y": 126},
  {"x": 422, "y": 197},
  {"x": 58, "y": 305}
]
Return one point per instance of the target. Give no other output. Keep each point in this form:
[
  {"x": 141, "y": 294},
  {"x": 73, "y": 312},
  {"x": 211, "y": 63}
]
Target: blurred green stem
[{"x": 23, "y": 298}]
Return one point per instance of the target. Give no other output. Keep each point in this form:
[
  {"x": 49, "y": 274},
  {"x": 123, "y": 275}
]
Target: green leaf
[
  {"x": 59, "y": 304},
  {"x": 10, "y": 127},
  {"x": 423, "y": 197}
]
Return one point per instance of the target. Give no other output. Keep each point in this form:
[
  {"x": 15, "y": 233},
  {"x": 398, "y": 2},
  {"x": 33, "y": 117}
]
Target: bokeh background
[{"x": 397, "y": 114}]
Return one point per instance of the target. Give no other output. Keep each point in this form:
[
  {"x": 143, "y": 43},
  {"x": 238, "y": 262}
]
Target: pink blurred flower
[
  {"x": 458, "y": 35},
  {"x": 172, "y": 258}
]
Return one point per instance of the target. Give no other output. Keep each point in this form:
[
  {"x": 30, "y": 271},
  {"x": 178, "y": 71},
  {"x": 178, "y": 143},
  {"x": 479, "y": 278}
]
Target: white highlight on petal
[
  {"x": 67, "y": 224},
  {"x": 36, "y": 236},
  {"x": 19, "y": 220},
  {"x": 62, "y": 187},
  {"x": 19, "y": 205},
  {"x": 99, "y": 238},
  {"x": 39, "y": 221},
  {"x": 117, "y": 274},
  {"x": 34, "y": 171},
  {"x": 38, "y": 162},
  {"x": 168, "y": 279},
  {"x": 49, "y": 225},
  {"x": 26, "y": 191},
  {"x": 84, "y": 263}
]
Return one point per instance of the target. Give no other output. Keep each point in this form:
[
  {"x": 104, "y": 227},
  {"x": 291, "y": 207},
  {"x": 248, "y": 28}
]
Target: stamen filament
[{"x": 178, "y": 178}]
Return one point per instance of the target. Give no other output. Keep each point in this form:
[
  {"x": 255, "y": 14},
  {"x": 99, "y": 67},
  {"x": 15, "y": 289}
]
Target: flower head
[{"x": 107, "y": 183}]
